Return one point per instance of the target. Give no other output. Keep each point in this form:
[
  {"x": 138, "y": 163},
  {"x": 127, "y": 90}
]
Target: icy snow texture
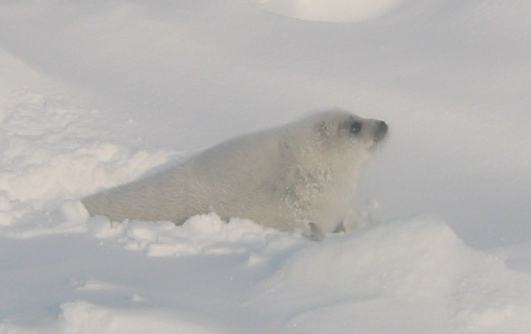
[
  {"x": 49, "y": 154},
  {"x": 94, "y": 94},
  {"x": 201, "y": 234}
]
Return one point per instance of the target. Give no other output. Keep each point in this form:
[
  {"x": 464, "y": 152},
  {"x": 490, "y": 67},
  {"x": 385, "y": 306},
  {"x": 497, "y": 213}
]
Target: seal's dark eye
[{"x": 355, "y": 127}]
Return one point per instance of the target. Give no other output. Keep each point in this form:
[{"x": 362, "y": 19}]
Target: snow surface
[
  {"x": 94, "y": 94},
  {"x": 331, "y": 10}
]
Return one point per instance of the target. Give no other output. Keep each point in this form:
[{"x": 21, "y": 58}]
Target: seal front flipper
[
  {"x": 313, "y": 232},
  {"x": 340, "y": 228}
]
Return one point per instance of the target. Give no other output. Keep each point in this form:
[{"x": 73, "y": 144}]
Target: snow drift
[
  {"x": 441, "y": 284},
  {"x": 413, "y": 274}
]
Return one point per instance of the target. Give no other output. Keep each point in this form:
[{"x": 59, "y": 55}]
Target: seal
[{"x": 300, "y": 176}]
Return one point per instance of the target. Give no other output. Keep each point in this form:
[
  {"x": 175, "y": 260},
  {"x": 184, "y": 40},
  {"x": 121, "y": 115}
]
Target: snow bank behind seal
[{"x": 52, "y": 153}]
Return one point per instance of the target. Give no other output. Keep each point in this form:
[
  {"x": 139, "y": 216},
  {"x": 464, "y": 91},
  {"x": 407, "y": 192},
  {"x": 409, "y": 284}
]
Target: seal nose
[{"x": 381, "y": 130}]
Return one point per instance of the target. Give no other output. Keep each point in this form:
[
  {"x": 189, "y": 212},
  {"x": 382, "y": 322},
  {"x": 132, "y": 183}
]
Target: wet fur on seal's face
[{"x": 298, "y": 176}]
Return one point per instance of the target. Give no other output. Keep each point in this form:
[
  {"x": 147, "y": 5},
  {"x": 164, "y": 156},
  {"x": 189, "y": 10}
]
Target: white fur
[{"x": 299, "y": 176}]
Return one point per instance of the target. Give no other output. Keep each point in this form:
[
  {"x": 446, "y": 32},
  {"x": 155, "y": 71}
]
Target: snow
[
  {"x": 95, "y": 94},
  {"x": 332, "y": 10}
]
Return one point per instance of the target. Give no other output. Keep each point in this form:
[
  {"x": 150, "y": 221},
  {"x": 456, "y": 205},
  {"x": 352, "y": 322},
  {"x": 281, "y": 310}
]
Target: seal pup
[{"x": 300, "y": 176}]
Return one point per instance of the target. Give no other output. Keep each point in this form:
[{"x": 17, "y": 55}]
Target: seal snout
[{"x": 381, "y": 130}]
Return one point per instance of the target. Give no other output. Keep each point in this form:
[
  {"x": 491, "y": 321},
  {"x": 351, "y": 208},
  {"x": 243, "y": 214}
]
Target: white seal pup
[{"x": 300, "y": 176}]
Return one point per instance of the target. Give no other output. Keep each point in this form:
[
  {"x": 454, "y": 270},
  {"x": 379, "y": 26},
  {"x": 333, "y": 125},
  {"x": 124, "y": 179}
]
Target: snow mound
[
  {"x": 85, "y": 318},
  {"x": 418, "y": 263},
  {"x": 81, "y": 317},
  {"x": 51, "y": 153},
  {"x": 201, "y": 234},
  {"x": 380, "y": 253},
  {"x": 331, "y": 10}
]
